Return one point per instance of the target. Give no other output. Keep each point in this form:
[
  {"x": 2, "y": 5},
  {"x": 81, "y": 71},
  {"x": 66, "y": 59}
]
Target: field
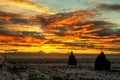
[{"x": 57, "y": 69}]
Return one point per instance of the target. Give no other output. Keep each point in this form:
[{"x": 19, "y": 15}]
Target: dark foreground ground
[{"x": 57, "y": 69}]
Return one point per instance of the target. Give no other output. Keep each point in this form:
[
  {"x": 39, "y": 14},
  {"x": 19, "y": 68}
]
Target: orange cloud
[
  {"x": 25, "y": 4},
  {"x": 65, "y": 31},
  {"x": 20, "y": 39}
]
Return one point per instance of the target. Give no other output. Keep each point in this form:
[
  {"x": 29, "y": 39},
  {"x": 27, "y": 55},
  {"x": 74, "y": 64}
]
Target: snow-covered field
[{"x": 57, "y": 69}]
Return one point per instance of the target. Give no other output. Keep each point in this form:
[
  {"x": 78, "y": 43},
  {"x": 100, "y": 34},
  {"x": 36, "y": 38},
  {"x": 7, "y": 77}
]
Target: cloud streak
[
  {"x": 108, "y": 6},
  {"x": 25, "y": 5}
]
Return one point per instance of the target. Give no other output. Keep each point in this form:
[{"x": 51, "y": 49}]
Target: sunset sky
[{"x": 60, "y": 26}]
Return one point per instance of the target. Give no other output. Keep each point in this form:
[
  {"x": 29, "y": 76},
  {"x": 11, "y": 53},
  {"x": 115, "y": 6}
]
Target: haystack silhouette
[
  {"x": 102, "y": 63},
  {"x": 72, "y": 59}
]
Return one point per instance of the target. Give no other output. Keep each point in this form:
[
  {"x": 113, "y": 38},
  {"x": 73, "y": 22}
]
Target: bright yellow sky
[{"x": 34, "y": 26}]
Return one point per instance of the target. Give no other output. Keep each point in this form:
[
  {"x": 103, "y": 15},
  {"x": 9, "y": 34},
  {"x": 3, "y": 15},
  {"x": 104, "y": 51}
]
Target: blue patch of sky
[{"x": 66, "y": 5}]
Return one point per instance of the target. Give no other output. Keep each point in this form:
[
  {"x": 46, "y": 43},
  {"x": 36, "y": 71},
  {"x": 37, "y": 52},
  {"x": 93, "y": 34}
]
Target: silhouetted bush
[
  {"x": 72, "y": 59},
  {"x": 102, "y": 63}
]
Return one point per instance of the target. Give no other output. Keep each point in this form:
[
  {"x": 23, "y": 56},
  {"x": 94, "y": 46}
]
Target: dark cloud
[
  {"x": 26, "y": 45},
  {"x": 4, "y": 31},
  {"x": 98, "y": 24},
  {"x": 80, "y": 45},
  {"x": 108, "y": 6},
  {"x": 107, "y": 32},
  {"x": 115, "y": 49},
  {"x": 21, "y": 33},
  {"x": 104, "y": 32},
  {"x": 23, "y": 19},
  {"x": 7, "y": 14},
  {"x": 52, "y": 22},
  {"x": 2, "y": 22},
  {"x": 12, "y": 20},
  {"x": 11, "y": 50},
  {"x": 117, "y": 32}
]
